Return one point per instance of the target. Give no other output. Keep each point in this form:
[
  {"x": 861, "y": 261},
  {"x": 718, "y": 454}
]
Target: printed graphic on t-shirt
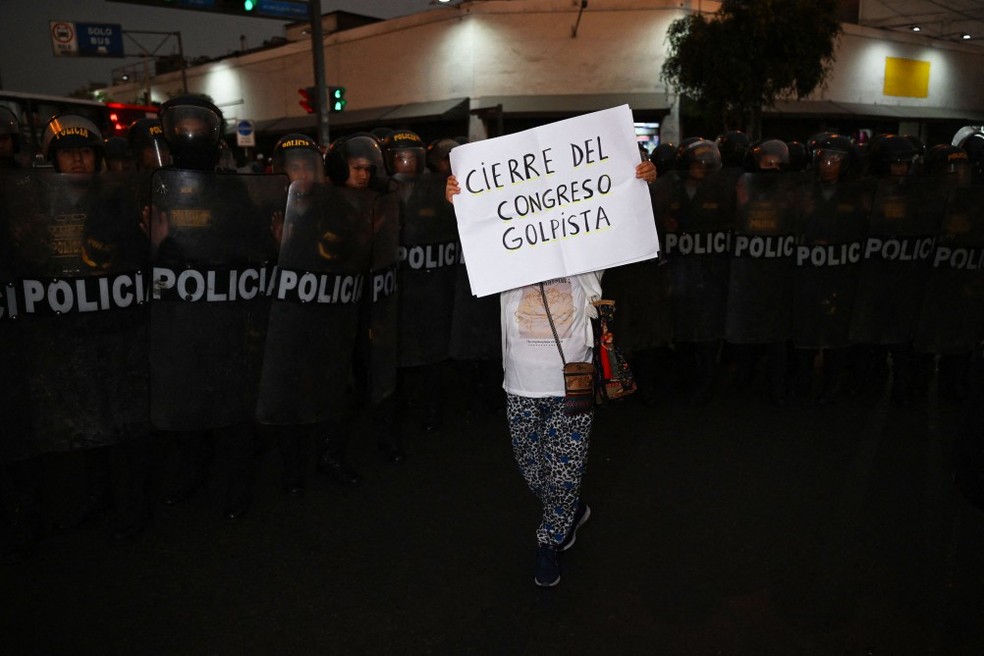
[{"x": 532, "y": 318}]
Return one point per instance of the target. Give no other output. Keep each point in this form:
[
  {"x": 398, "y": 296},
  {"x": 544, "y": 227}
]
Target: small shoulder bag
[
  {"x": 579, "y": 377},
  {"x": 615, "y": 379}
]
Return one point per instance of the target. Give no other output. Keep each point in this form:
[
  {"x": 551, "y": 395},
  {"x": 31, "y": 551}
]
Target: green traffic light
[
  {"x": 336, "y": 98},
  {"x": 249, "y": 5}
]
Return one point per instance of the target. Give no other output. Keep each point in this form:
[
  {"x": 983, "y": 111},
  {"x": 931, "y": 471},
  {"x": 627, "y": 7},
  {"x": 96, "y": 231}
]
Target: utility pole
[{"x": 318, "y": 50}]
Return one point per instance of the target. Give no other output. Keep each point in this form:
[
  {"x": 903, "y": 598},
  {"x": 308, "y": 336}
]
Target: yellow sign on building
[{"x": 906, "y": 77}]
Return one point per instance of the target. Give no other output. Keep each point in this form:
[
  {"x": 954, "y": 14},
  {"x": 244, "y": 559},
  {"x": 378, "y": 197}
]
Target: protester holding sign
[{"x": 549, "y": 442}]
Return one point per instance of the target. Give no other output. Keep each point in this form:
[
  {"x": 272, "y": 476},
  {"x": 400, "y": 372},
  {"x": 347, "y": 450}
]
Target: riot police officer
[
  {"x": 832, "y": 224},
  {"x": 85, "y": 228},
  {"x": 971, "y": 139},
  {"x": 474, "y": 332},
  {"x": 439, "y": 155},
  {"x": 696, "y": 236},
  {"x": 663, "y": 157},
  {"x": 733, "y": 146},
  {"x": 10, "y": 139},
  {"x": 119, "y": 157},
  {"x": 356, "y": 167},
  {"x": 300, "y": 362},
  {"x": 429, "y": 253},
  {"x": 147, "y": 143},
  {"x": 205, "y": 350},
  {"x": 951, "y": 322},
  {"x": 904, "y": 221},
  {"x": 760, "y": 292}
]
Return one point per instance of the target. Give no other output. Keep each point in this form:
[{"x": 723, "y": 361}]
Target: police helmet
[
  {"x": 119, "y": 157},
  {"x": 815, "y": 140},
  {"x": 917, "y": 144},
  {"x": 295, "y": 153},
  {"x": 700, "y": 152},
  {"x": 833, "y": 148},
  {"x": 663, "y": 157},
  {"x": 767, "y": 155},
  {"x": 147, "y": 142},
  {"x": 71, "y": 131},
  {"x": 9, "y": 125},
  {"x": 380, "y": 133},
  {"x": 733, "y": 145},
  {"x": 439, "y": 153},
  {"x": 799, "y": 159},
  {"x": 192, "y": 128},
  {"x": 360, "y": 146},
  {"x": 888, "y": 150},
  {"x": 971, "y": 139},
  {"x": 943, "y": 159},
  {"x": 404, "y": 153}
]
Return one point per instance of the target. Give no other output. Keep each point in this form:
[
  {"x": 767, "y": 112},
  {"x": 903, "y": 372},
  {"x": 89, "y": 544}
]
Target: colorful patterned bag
[{"x": 614, "y": 377}]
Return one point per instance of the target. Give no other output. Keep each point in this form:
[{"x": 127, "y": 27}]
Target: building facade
[{"x": 484, "y": 67}]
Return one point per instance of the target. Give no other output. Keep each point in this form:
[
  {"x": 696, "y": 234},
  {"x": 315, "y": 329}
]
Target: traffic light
[
  {"x": 336, "y": 98},
  {"x": 297, "y": 10},
  {"x": 309, "y": 99}
]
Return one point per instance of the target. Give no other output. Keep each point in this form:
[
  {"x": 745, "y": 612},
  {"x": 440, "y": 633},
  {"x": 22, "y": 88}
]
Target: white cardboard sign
[{"x": 558, "y": 200}]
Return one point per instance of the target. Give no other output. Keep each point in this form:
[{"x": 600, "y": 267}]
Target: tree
[
  {"x": 92, "y": 91},
  {"x": 749, "y": 55}
]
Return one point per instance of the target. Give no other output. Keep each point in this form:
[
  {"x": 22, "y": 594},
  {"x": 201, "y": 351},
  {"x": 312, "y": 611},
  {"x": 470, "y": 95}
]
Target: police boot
[
  {"x": 237, "y": 447},
  {"x": 331, "y": 462},
  {"x": 133, "y": 510},
  {"x": 24, "y": 526},
  {"x": 98, "y": 497},
  {"x": 901, "y": 376},
  {"x": 290, "y": 445},
  {"x": 389, "y": 437},
  {"x": 192, "y": 455}
]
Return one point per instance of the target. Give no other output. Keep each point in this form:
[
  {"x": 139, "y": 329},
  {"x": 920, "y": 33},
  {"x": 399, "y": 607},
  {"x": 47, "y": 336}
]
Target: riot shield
[
  {"x": 213, "y": 250},
  {"x": 832, "y": 224},
  {"x": 952, "y": 316},
  {"x": 641, "y": 289},
  {"x": 697, "y": 247},
  {"x": 475, "y": 328},
  {"x": 15, "y": 397},
  {"x": 74, "y": 293},
  {"x": 904, "y": 221},
  {"x": 429, "y": 253},
  {"x": 383, "y": 296},
  {"x": 762, "y": 252},
  {"x": 315, "y": 302}
]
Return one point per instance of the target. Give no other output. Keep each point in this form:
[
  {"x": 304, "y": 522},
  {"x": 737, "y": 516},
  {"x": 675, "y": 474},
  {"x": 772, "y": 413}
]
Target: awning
[
  {"x": 898, "y": 112},
  {"x": 435, "y": 110},
  {"x": 806, "y": 108},
  {"x": 573, "y": 103}
]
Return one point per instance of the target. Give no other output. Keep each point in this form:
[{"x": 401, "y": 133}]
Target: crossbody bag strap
[{"x": 553, "y": 329}]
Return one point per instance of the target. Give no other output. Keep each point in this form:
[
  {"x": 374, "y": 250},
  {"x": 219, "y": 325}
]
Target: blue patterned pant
[{"x": 551, "y": 449}]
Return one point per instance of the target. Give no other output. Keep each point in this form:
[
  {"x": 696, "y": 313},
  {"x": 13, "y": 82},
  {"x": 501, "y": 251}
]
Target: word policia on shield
[{"x": 557, "y": 200}]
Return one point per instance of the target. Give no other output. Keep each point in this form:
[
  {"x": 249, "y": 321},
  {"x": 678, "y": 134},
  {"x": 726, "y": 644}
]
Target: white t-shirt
[{"x": 532, "y": 364}]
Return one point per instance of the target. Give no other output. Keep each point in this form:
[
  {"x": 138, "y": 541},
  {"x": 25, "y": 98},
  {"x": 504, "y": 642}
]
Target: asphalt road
[{"x": 735, "y": 528}]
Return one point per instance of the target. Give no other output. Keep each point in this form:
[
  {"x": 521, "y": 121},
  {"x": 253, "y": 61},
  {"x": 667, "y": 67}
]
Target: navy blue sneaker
[
  {"x": 547, "y": 572},
  {"x": 580, "y": 517}
]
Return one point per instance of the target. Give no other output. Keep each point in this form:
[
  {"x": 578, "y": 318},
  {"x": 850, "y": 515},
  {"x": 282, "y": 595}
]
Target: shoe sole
[{"x": 582, "y": 522}]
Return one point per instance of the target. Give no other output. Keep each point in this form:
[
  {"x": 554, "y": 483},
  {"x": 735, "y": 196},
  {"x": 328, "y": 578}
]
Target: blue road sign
[{"x": 99, "y": 39}]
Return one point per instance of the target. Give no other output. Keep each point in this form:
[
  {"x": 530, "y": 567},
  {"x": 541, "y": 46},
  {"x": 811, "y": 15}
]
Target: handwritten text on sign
[{"x": 561, "y": 199}]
